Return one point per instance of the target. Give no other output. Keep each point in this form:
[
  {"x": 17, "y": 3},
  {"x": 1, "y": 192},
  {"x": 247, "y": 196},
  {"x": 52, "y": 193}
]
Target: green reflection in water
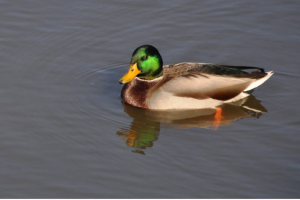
[{"x": 142, "y": 133}]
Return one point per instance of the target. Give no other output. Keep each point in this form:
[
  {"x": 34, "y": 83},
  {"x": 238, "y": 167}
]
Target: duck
[{"x": 186, "y": 85}]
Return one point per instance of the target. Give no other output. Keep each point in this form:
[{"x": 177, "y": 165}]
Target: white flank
[{"x": 165, "y": 97}]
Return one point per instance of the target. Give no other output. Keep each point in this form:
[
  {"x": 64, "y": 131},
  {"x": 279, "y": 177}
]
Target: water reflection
[
  {"x": 141, "y": 133},
  {"x": 145, "y": 126}
]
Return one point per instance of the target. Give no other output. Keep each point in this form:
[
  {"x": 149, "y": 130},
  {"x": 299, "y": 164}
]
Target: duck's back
[{"x": 192, "y": 69}]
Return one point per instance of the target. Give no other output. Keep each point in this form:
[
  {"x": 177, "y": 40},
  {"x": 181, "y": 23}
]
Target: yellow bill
[{"x": 132, "y": 72}]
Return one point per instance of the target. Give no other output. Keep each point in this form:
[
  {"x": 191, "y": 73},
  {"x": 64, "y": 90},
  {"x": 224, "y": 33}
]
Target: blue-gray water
[{"x": 64, "y": 132}]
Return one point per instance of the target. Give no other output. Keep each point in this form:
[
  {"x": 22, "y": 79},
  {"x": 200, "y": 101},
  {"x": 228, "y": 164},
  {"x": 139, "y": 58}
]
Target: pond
[{"x": 66, "y": 133}]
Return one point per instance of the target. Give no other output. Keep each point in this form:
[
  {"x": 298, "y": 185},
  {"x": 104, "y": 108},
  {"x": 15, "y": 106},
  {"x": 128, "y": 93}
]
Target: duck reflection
[
  {"x": 145, "y": 126},
  {"x": 142, "y": 133}
]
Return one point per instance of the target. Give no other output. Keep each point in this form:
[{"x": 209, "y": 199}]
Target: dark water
[{"x": 64, "y": 131}]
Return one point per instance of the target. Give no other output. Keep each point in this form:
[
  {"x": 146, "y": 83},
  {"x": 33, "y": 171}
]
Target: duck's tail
[{"x": 258, "y": 82}]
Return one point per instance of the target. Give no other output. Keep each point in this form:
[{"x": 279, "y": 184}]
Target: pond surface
[{"x": 65, "y": 133}]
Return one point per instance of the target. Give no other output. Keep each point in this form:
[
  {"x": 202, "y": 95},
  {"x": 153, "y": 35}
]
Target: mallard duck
[{"x": 150, "y": 85}]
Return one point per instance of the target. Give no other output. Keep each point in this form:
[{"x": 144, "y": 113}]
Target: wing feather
[{"x": 206, "y": 86}]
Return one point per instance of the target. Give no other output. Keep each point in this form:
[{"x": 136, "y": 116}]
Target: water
[{"x": 66, "y": 134}]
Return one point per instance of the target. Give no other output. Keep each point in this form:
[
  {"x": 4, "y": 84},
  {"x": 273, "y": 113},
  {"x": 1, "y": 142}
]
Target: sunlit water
[{"x": 65, "y": 131}]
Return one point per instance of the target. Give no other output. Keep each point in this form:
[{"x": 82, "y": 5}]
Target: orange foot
[{"x": 218, "y": 117}]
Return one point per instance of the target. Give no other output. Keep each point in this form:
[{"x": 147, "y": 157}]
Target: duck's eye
[{"x": 144, "y": 57}]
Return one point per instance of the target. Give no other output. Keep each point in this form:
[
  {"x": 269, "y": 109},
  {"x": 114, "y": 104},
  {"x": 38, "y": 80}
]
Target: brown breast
[{"x": 136, "y": 91}]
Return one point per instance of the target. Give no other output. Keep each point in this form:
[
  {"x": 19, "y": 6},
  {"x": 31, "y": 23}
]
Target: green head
[{"x": 145, "y": 63}]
